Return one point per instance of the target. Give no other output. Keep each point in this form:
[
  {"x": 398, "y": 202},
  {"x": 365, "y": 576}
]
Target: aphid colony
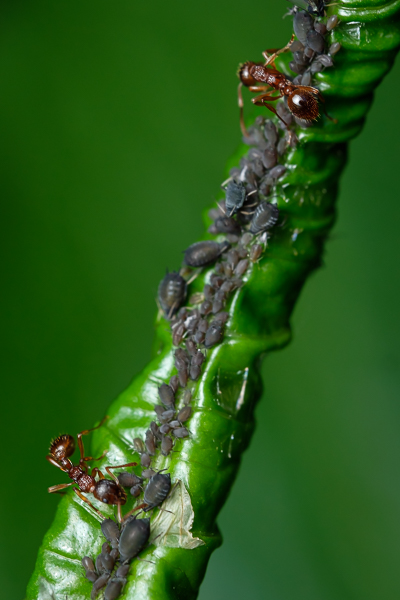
[{"x": 243, "y": 221}]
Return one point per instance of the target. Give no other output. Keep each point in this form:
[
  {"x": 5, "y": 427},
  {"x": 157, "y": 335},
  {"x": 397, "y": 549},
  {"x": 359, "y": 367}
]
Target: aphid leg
[
  {"x": 82, "y": 497},
  {"x": 85, "y": 432},
  {"x": 55, "y": 489},
  {"x": 271, "y": 58},
  {"x": 194, "y": 276}
]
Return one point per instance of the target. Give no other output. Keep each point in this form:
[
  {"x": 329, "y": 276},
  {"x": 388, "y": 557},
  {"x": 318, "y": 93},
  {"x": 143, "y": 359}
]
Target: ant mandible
[
  {"x": 109, "y": 492},
  {"x": 301, "y": 99}
]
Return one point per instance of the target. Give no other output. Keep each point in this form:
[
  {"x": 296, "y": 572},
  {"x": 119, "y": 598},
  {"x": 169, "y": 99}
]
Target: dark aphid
[
  {"x": 242, "y": 267},
  {"x": 315, "y": 41},
  {"x": 145, "y": 460},
  {"x": 332, "y": 22},
  {"x": 255, "y": 252},
  {"x": 203, "y": 325},
  {"x": 228, "y": 269},
  {"x": 269, "y": 157},
  {"x": 227, "y": 287},
  {"x": 139, "y": 445},
  {"x": 246, "y": 239},
  {"x": 174, "y": 424},
  {"x": 216, "y": 280},
  {"x": 184, "y": 414},
  {"x": 111, "y": 532},
  {"x": 265, "y": 216},
  {"x": 191, "y": 347},
  {"x": 217, "y": 306},
  {"x": 167, "y": 416},
  {"x": 187, "y": 397},
  {"x": 171, "y": 293},
  {"x": 180, "y": 432},
  {"x": 122, "y": 571},
  {"x": 334, "y": 48},
  {"x": 166, "y": 445},
  {"x": 166, "y": 394},
  {"x": 201, "y": 254},
  {"x": 316, "y": 67},
  {"x": 174, "y": 383},
  {"x": 235, "y": 196},
  {"x": 320, "y": 27},
  {"x": 227, "y": 225},
  {"x": 107, "y": 559},
  {"x": 178, "y": 333},
  {"x": 302, "y": 24},
  {"x": 165, "y": 429},
  {"x": 155, "y": 430},
  {"x": 135, "y": 490},
  {"x": 198, "y": 358},
  {"x": 271, "y": 132},
  {"x": 221, "y": 317},
  {"x": 194, "y": 372},
  {"x": 148, "y": 473},
  {"x": 114, "y": 588},
  {"x": 199, "y": 337},
  {"x": 306, "y": 79},
  {"x": 150, "y": 443},
  {"x": 205, "y": 307},
  {"x": 100, "y": 568},
  {"x": 213, "y": 335},
  {"x": 183, "y": 375},
  {"x": 128, "y": 479},
  {"x": 208, "y": 292},
  {"x": 88, "y": 565},
  {"x": 242, "y": 251},
  {"x": 282, "y": 145},
  {"x": 157, "y": 490},
  {"x": 181, "y": 358},
  {"x": 134, "y": 537},
  {"x": 99, "y": 584},
  {"x": 325, "y": 60}
]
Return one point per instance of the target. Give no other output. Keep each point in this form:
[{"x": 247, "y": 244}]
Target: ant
[
  {"x": 109, "y": 492},
  {"x": 301, "y": 99}
]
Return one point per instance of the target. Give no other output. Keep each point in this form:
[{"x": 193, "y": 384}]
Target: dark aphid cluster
[{"x": 111, "y": 567}]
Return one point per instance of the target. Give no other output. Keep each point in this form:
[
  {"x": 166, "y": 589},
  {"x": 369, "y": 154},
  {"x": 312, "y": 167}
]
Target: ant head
[
  {"x": 244, "y": 74},
  {"x": 303, "y": 105},
  {"x": 62, "y": 447}
]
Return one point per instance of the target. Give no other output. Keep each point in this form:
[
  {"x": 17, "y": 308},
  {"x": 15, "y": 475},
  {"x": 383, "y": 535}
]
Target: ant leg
[
  {"x": 241, "y": 104},
  {"x": 133, "y": 510},
  {"x": 87, "y": 458},
  {"x": 85, "y": 432},
  {"x": 53, "y": 461},
  {"x": 82, "y": 497},
  {"x": 96, "y": 471},
  {"x": 262, "y": 101},
  {"x": 54, "y": 489},
  {"x": 108, "y": 469},
  {"x": 270, "y": 59}
]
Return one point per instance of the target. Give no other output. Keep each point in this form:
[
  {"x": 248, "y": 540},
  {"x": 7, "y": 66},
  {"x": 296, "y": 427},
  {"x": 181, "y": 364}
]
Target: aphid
[
  {"x": 183, "y": 376},
  {"x": 194, "y": 372},
  {"x": 271, "y": 133},
  {"x": 148, "y": 473},
  {"x": 134, "y": 537},
  {"x": 213, "y": 335},
  {"x": 174, "y": 383},
  {"x": 301, "y": 100},
  {"x": 235, "y": 196},
  {"x": 107, "y": 558},
  {"x": 122, "y": 571},
  {"x": 145, "y": 460},
  {"x": 332, "y": 22},
  {"x": 165, "y": 429},
  {"x": 114, "y": 588},
  {"x": 178, "y": 333},
  {"x": 166, "y": 445},
  {"x": 175, "y": 424},
  {"x": 105, "y": 490},
  {"x": 191, "y": 347},
  {"x": 99, "y": 584},
  {"x": 315, "y": 41},
  {"x": 314, "y": 7},
  {"x": 204, "y": 253},
  {"x": 199, "y": 337},
  {"x": 139, "y": 445},
  {"x": 205, "y": 307},
  {"x": 171, "y": 293},
  {"x": 221, "y": 317},
  {"x": 265, "y": 216},
  {"x": 255, "y": 252},
  {"x": 155, "y": 430},
  {"x": 157, "y": 490},
  {"x": 242, "y": 267},
  {"x": 166, "y": 394},
  {"x": 88, "y": 565},
  {"x": 269, "y": 157},
  {"x": 167, "y": 416},
  {"x": 246, "y": 239},
  {"x": 227, "y": 287},
  {"x": 111, "y": 532},
  {"x": 334, "y": 48},
  {"x": 302, "y": 24},
  {"x": 184, "y": 414},
  {"x": 128, "y": 479},
  {"x": 217, "y": 306},
  {"x": 150, "y": 442},
  {"x": 187, "y": 397},
  {"x": 227, "y": 225},
  {"x": 135, "y": 490},
  {"x": 180, "y": 432}
]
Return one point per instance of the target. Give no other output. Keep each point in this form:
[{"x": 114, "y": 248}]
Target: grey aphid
[
  {"x": 187, "y": 397},
  {"x": 242, "y": 267},
  {"x": 255, "y": 252},
  {"x": 184, "y": 414},
  {"x": 128, "y": 479},
  {"x": 134, "y": 536},
  {"x": 167, "y": 416},
  {"x": 227, "y": 225},
  {"x": 145, "y": 460},
  {"x": 135, "y": 490},
  {"x": 332, "y": 22},
  {"x": 111, "y": 532},
  {"x": 213, "y": 335},
  {"x": 302, "y": 24},
  {"x": 204, "y": 253},
  {"x": 315, "y": 41},
  {"x": 150, "y": 443},
  {"x": 235, "y": 196},
  {"x": 114, "y": 588},
  {"x": 99, "y": 584},
  {"x": 148, "y": 473},
  {"x": 171, "y": 293},
  {"x": 265, "y": 216},
  {"x": 271, "y": 132},
  {"x": 166, "y": 445},
  {"x": 166, "y": 394},
  {"x": 181, "y": 432},
  {"x": 139, "y": 445}
]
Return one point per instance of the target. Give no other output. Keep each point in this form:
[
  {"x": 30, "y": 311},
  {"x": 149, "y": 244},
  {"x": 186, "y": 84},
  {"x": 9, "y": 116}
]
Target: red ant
[
  {"x": 109, "y": 492},
  {"x": 300, "y": 98}
]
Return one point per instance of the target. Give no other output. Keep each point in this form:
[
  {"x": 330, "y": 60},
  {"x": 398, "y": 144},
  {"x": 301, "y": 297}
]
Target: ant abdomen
[
  {"x": 63, "y": 446},
  {"x": 303, "y": 105},
  {"x": 109, "y": 492}
]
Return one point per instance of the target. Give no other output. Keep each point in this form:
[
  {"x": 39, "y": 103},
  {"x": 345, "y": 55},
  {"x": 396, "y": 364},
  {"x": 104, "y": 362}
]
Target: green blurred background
[{"x": 117, "y": 120}]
